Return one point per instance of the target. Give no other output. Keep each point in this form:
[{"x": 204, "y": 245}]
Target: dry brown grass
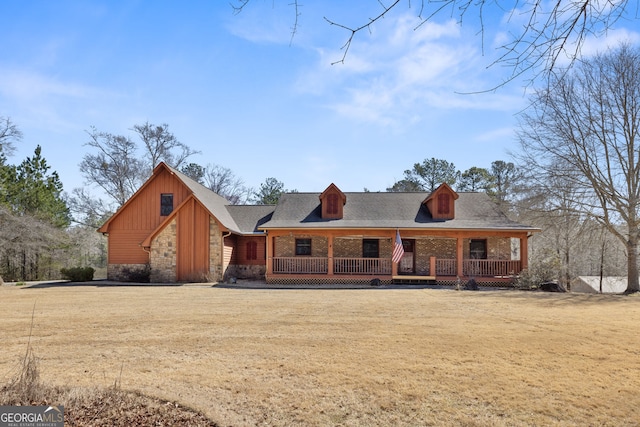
[{"x": 340, "y": 357}]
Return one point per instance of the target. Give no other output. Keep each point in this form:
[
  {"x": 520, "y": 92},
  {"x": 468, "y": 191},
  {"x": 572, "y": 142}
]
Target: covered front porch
[{"x": 338, "y": 257}]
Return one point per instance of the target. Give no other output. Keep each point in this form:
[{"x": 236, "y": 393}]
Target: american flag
[{"x": 398, "y": 250}]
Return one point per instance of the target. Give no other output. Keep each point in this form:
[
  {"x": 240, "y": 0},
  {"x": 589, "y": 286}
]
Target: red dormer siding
[
  {"x": 442, "y": 202},
  {"x": 332, "y": 201}
]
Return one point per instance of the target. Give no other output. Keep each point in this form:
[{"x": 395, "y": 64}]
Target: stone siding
[
  {"x": 163, "y": 255},
  {"x": 498, "y": 248},
  {"x": 347, "y": 248},
  {"x": 352, "y": 248},
  {"x": 216, "y": 270},
  {"x": 427, "y": 247},
  {"x": 285, "y": 246}
]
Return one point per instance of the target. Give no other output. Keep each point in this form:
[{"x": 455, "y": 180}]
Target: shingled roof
[
  {"x": 250, "y": 217},
  {"x": 474, "y": 211},
  {"x": 214, "y": 203}
]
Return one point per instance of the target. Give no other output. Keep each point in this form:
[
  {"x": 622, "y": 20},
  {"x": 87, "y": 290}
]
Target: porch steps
[{"x": 413, "y": 279}]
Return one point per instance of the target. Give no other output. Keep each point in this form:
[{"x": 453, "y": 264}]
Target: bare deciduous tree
[
  {"x": 115, "y": 168},
  {"x": 119, "y": 169},
  {"x": 583, "y": 129},
  {"x": 9, "y": 135},
  {"x": 551, "y": 30},
  {"x": 88, "y": 210},
  {"x": 224, "y": 182},
  {"x": 30, "y": 248},
  {"x": 162, "y": 145}
]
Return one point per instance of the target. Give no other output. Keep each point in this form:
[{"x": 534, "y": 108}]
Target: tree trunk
[
  {"x": 602, "y": 263},
  {"x": 632, "y": 266}
]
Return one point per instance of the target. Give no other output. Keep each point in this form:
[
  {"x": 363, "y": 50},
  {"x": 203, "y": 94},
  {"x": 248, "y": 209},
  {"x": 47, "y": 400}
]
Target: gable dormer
[
  {"x": 442, "y": 202},
  {"x": 332, "y": 201}
]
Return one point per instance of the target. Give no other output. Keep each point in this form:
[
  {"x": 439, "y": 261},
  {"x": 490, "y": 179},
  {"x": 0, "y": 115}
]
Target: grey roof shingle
[
  {"x": 473, "y": 211},
  {"x": 215, "y": 203},
  {"x": 390, "y": 210},
  {"x": 240, "y": 219},
  {"x": 249, "y": 217}
]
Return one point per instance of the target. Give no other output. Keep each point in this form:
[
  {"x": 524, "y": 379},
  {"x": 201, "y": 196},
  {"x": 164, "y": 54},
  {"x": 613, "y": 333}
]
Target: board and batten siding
[
  {"x": 140, "y": 217},
  {"x": 192, "y": 236}
]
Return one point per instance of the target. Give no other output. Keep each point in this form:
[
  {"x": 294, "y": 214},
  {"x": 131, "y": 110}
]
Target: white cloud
[
  {"x": 46, "y": 101},
  {"x": 594, "y": 45},
  {"x": 495, "y": 134},
  {"x": 400, "y": 73},
  {"x": 26, "y": 86},
  {"x": 262, "y": 24}
]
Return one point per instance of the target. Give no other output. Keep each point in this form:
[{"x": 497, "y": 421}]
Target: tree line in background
[
  {"x": 577, "y": 177},
  {"x": 33, "y": 212}
]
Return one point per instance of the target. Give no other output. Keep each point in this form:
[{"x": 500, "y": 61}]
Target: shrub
[
  {"x": 538, "y": 273},
  {"x": 77, "y": 274}
]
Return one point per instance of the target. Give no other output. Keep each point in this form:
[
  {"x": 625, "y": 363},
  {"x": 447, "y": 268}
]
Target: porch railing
[
  {"x": 478, "y": 267},
  {"x": 300, "y": 265},
  {"x": 383, "y": 266},
  {"x": 446, "y": 267},
  {"x": 490, "y": 267},
  {"x": 362, "y": 266}
]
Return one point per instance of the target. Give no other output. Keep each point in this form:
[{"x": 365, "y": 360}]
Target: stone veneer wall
[
  {"x": 163, "y": 255},
  {"x": 427, "y": 247},
  {"x": 285, "y": 246},
  {"x": 347, "y": 248},
  {"x": 352, "y": 247},
  {"x": 498, "y": 248},
  {"x": 216, "y": 269}
]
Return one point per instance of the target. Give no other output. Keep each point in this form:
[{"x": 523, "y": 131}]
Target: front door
[{"x": 406, "y": 265}]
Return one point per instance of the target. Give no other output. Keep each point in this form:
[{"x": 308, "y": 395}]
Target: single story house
[{"x": 176, "y": 230}]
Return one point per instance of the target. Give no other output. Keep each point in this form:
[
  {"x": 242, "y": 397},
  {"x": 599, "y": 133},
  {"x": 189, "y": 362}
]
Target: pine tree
[{"x": 32, "y": 189}]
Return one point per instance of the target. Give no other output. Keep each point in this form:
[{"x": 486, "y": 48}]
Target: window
[
  {"x": 478, "y": 249},
  {"x": 166, "y": 204},
  {"x": 252, "y": 251},
  {"x": 370, "y": 248},
  {"x": 332, "y": 204},
  {"x": 443, "y": 203},
  {"x": 303, "y": 246}
]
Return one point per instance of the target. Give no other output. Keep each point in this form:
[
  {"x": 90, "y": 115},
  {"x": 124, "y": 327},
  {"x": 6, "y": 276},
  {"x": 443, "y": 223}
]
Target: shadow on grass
[
  {"x": 571, "y": 298},
  {"x": 96, "y": 284}
]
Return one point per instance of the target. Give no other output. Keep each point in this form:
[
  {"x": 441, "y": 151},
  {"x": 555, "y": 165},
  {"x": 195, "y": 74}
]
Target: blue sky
[{"x": 241, "y": 91}]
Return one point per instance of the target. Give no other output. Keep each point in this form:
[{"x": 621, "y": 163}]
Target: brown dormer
[
  {"x": 441, "y": 203},
  {"x": 332, "y": 201}
]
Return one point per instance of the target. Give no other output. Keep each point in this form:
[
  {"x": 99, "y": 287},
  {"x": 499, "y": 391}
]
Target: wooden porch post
[
  {"x": 432, "y": 266},
  {"x": 269, "y": 250},
  {"x": 330, "y": 256},
  {"x": 459, "y": 255},
  {"x": 524, "y": 252}
]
